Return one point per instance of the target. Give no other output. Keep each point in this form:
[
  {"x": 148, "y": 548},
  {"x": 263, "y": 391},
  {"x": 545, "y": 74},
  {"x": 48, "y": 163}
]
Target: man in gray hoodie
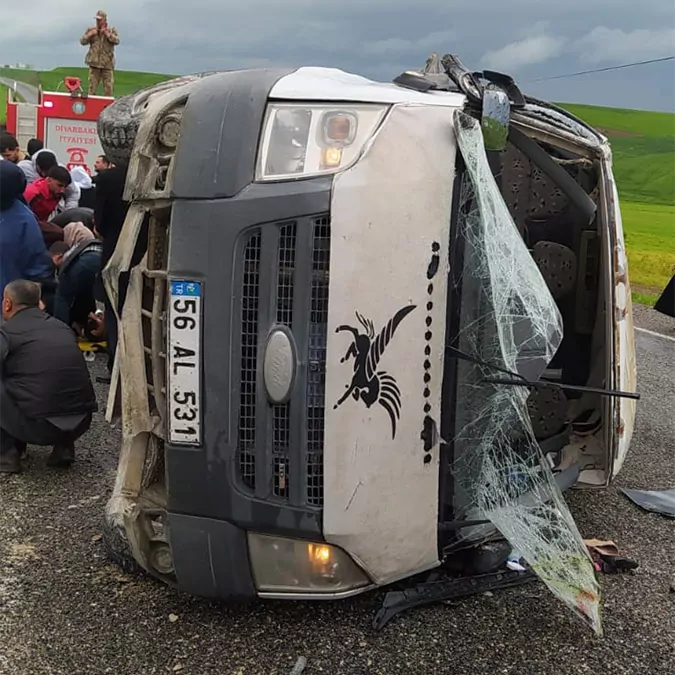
[{"x": 38, "y": 167}]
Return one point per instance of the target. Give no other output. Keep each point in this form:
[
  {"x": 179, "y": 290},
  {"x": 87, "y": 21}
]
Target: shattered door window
[{"x": 509, "y": 322}]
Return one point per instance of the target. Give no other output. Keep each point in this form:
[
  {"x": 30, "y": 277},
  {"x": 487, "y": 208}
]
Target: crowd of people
[{"x": 58, "y": 229}]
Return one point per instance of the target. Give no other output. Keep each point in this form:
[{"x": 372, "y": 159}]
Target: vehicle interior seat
[{"x": 559, "y": 238}]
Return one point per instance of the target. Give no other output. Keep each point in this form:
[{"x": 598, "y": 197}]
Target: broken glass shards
[{"x": 509, "y": 321}]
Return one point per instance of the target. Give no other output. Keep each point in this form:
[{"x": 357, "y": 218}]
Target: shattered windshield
[{"x": 509, "y": 322}]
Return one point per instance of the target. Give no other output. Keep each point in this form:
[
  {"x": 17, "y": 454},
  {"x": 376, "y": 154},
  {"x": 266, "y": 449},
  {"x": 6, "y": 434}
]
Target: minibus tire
[
  {"x": 117, "y": 129},
  {"x": 118, "y": 123}
]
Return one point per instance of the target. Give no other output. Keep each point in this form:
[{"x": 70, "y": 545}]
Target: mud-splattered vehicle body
[{"x": 365, "y": 333}]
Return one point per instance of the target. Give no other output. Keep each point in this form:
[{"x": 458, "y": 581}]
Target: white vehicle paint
[
  {"x": 331, "y": 84},
  {"x": 624, "y": 337},
  {"x": 367, "y": 467}
]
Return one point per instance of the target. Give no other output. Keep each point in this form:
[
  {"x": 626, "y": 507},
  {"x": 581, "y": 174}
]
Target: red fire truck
[{"x": 64, "y": 120}]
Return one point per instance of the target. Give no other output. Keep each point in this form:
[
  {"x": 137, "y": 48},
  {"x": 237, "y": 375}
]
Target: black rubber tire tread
[
  {"x": 117, "y": 130},
  {"x": 118, "y": 123},
  {"x": 118, "y": 551}
]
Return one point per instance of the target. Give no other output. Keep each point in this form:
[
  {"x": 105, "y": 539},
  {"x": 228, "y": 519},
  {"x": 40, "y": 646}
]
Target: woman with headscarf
[
  {"x": 23, "y": 254},
  {"x": 76, "y": 233},
  {"x": 78, "y": 259}
]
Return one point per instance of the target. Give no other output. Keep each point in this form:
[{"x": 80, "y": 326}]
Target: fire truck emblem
[
  {"x": 78, "y": 108},
  {"x": 76, "y": 157},
  {"x": 369, "y": 384}
]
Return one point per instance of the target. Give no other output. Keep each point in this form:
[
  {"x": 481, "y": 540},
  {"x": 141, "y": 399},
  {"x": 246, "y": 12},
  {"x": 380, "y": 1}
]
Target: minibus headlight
[
  {"x": 301, "y": 140},
  {"x": 283, "y": 565}
]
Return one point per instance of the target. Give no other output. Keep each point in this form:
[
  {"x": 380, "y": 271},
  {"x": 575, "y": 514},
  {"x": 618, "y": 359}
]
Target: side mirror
[{"x": 495, "y": 118}]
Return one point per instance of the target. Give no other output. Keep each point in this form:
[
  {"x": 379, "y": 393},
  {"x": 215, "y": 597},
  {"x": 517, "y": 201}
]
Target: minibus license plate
[{"x": 184, "y": 362}]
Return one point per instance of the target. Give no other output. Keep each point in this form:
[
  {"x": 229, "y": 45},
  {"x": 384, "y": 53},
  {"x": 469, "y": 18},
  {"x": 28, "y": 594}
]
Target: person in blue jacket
[{"x": 23, "y": 254}]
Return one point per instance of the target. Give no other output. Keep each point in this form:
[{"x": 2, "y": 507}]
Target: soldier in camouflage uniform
[{"x": 101, "y": 56}]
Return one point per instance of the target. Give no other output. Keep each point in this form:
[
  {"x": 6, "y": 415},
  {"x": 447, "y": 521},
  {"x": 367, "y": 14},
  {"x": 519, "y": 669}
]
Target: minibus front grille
[
  {"x": 250, "y": 295},
  {"x": 316, "y": 376},
  {"x": 280, "y": 446},
  {"x": 281, "y": 412}
]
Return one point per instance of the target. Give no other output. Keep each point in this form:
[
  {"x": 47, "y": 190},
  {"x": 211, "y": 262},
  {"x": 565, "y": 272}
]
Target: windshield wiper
[{"x": 517, "y": 380}]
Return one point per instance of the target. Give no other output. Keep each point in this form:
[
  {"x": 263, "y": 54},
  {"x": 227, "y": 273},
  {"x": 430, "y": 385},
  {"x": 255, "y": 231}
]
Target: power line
[{"x": 604, "y": 70}]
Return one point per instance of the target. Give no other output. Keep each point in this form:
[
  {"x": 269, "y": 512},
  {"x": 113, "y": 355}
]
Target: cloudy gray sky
[{"x": 530, "y": 39}]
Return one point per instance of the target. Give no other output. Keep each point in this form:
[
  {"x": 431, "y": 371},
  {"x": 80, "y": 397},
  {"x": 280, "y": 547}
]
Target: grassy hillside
[
  {"x": 29, "y": 76},
  {"x": 643, "y": 147},
  {"x": 638, "y": 122},
  {"x": 649, "y": 231},
  {"x": 126, "y": 81}
]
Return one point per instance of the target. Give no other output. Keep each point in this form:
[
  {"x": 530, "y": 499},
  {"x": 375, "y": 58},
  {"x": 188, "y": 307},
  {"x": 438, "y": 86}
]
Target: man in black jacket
[
  {"x": 109, "y": 214},
  {"x": 46, "y": 395}
]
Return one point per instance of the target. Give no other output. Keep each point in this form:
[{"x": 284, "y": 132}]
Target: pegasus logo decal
[{"x": 369, "y": 384}]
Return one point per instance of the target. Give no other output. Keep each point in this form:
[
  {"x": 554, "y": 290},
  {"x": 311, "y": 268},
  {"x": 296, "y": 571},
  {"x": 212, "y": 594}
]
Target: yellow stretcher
[{"x": 88, "y": 346}]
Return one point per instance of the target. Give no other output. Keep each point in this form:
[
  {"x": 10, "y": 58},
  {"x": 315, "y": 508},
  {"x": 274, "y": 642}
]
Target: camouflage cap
[{"x": 101, "y": 14}]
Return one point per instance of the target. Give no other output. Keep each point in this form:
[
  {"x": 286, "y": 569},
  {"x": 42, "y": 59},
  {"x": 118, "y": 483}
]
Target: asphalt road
[
  {"x": 65, "y": 610},
  {"x": 28, "y": 92}
]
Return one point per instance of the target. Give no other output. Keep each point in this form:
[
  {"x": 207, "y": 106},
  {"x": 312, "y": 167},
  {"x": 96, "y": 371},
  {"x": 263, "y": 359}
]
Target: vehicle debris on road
[
  {"x": 606, "y": 558},
  {"x": 656, "y": 501}
]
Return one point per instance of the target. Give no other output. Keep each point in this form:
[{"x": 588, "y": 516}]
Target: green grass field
[
  {"x": 639, "y": 122},
  {"x": 126, "y": 81},
  {"x": 649, "y": 231},
  {"x": 643, "y": 148}
]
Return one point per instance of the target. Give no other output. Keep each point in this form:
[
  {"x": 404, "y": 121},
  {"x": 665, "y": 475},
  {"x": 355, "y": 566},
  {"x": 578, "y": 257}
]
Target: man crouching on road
[{"x": 46, "y": 395}]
